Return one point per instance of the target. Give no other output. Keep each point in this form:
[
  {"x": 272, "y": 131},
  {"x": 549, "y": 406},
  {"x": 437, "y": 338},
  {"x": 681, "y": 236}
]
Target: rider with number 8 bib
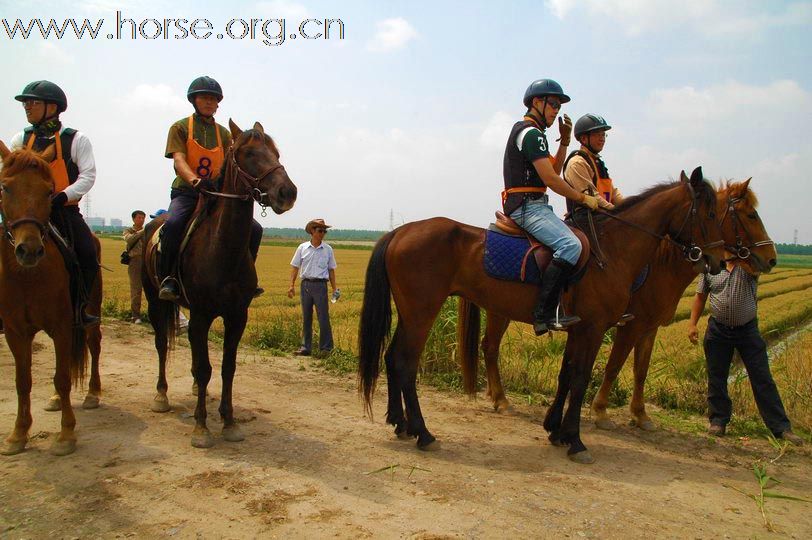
[
  {"x": 197, "y": 145},
  {"x": 529, "y": 169}
]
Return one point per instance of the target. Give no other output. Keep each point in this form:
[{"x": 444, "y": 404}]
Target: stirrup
[
  {"x": 169, "y": 289},
  {"x": 625, "y": 318},
  {"x": 562, "y": 321}
]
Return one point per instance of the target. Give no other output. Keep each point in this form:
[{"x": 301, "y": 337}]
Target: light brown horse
[
  {"x": 35, "y": 295},
  {"x": 218, "y": 274},
  {"x": 420, "y": 264},
  {"x": 653, "y": 305}
]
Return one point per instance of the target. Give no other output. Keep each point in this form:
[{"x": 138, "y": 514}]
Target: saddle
[{"x": 513, "y": 254}]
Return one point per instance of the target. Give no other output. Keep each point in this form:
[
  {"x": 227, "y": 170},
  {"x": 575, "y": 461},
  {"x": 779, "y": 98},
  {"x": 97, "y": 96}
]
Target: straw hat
[{"x": 318, "y": 222}]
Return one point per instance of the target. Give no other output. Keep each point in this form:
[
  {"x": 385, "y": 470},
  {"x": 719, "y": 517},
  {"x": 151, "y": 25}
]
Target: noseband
[
  {"x": 742, "y": 251},
  {"x": 10, "y": 226}
]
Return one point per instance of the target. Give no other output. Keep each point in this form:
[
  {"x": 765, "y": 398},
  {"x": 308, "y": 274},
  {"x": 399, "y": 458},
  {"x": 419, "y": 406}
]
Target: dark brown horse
[
  {"x": 35, "y": 295},
  {"x": 653, "y": 305},
  {"x": 218, "y": 274},
  {"x": 421, "y": 264}
]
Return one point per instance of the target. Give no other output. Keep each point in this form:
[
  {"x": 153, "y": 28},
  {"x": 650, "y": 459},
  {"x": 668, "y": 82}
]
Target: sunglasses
[
  {"x": 554, "y": 104},
  {"x": 319, "y": 229}
]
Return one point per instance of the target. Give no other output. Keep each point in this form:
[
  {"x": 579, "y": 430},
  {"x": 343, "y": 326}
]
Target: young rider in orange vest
[
  {"x": 74, "y": 172},
  {"x": 197, "y": 145},
  {"x": 528, "y": 172},
  {"x": 584, "y": 169}
]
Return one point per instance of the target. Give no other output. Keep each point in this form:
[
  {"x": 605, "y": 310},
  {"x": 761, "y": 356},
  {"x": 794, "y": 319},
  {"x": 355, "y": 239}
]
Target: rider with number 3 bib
[
  {"x": 529, "y": 170},
  {"x": 197, "y": 145}
]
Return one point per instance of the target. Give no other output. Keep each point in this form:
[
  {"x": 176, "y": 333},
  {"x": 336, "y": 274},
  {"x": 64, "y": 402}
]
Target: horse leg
[
  {"x": 160, "y": 403},
  {"x": 65, "y": 443},
  {"x": 94, "y": 387},
  {"x": 21, "y": 349},
  {"x": 624, "y": 342},
  {"x": 407, "y": 358},
  {"x": 201, "y": 367},
  {"x": 555, "y": 414},
  {"x": 394, "y": 408},
  {"x": 233, "y": 330},
  {"x": 642, "y": 360},
  {"x": 583, "y": 358},
  {"x": 495, "y": 329}
]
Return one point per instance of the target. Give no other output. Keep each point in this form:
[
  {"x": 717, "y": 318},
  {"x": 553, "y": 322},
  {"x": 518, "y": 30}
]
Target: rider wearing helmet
[
  {"x": 74, "y": 172},
  {"x": 197, "y": 145},
  {"x": 584, "y": 169},
  {"x": 528, "y": 172}
]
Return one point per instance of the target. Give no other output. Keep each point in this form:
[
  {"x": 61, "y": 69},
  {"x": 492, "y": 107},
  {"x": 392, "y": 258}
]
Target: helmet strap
[{"x": 589, "y": 143}]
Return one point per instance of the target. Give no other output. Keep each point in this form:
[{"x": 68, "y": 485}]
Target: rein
[
  {"x": 741, "y": 251},
  {"x": 9, "y": 227}
]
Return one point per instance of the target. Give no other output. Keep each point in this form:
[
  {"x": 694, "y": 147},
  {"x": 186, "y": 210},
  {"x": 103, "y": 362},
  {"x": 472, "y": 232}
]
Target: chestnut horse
[
  {"x": 653, "y": 305},
  {"x": 35, "y": 295},
  {"x": 420, "y": 264},
  {"x": 218, "y": 274}
]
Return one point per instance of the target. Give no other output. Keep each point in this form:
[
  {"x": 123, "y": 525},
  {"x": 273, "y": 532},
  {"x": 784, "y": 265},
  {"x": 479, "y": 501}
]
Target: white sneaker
[
  {"x": 137, "y": 321},
  {"x": 183, "y": 322}
]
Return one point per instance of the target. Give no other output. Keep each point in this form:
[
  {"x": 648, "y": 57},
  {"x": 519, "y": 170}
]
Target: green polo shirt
[{"x": 203, "y": 134}]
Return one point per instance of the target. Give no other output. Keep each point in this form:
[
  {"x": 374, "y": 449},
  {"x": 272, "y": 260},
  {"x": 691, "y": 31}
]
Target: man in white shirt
[
  {"x": 317, "y": 264},
  {"x": 74, "y": 172}
]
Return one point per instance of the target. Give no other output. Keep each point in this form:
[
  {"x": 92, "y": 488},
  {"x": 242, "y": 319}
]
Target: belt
[{"x": 317, "y": 280}]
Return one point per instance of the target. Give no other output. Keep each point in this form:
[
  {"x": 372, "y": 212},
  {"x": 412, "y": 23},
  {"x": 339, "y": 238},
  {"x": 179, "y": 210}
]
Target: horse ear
[
  {"x": 235, "y": 130},
  {"x": 4, "y": 151},
  {"x": 258, "y": 127},
  {"x": 683, "y": 177},
  {"x": 49, "y": 154},
  {"x": 696, "y": 176},
  {"x": 746, "y": 184}
]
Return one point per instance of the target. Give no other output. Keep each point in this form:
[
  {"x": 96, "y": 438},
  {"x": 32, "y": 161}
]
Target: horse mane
[
  {"x": 22, "y": 160},
  {"x": 738, "y": 190},
  {"x": 706, "y": 194}
]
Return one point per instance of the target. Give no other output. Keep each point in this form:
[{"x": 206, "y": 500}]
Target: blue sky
[{"x": 411, "y": 110}]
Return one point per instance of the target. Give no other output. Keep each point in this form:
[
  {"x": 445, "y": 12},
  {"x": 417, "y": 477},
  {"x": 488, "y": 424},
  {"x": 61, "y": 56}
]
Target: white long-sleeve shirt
[{"x": 81, "y": 153}]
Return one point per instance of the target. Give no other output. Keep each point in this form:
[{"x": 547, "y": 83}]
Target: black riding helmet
[
  {"x": 204, "y": 85},
  {"x": 589, "y": 123},
  {"x": 542, "y": 88},
  {"x": 44, "y": 91}
]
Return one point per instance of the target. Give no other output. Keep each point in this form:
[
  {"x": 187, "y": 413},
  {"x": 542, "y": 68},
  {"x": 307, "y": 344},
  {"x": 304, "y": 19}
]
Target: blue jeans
[{"x": 537, "y": 218}]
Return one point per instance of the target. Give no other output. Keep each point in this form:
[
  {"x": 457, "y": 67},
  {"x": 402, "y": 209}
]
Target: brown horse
[
  {"x": 653, "y": 305},
  {"x": 35, "y": 295},
  {"x": 420, "y": 264},
  {"x": 218, "y": 274}
]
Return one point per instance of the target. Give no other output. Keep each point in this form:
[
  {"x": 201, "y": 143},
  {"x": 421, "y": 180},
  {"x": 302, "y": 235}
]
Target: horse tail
[
  {"x": 376, "y": 321},
  {"x": 468, "y": 324},
  {"x": 78, "y": 354}
]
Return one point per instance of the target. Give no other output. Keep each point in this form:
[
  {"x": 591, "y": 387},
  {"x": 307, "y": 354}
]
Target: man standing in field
[
  {"x": 317, "y": 263},
  {"x": 134, "y": 239},
  {"x": 733, "y": 324}
]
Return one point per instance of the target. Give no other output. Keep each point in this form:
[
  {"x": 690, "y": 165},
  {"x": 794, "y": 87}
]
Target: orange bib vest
[
  {"x": 59, "y": 170},
  {"x": 204, "y": 162},
  {"x": 604, "y": 185}
]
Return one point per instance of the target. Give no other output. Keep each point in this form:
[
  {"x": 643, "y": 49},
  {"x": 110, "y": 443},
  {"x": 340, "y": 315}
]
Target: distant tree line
[
  {"x": 793, "y": 249},
  {"x": 335, "y": 234}
]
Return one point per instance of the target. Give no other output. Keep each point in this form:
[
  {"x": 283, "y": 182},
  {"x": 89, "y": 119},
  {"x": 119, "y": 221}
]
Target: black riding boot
[
  {"x": 170, "y": 290},
  {"x": 544, "y": 315},
  {"x": 253, "y": 246},
  {"x": 88, "y": 320}
]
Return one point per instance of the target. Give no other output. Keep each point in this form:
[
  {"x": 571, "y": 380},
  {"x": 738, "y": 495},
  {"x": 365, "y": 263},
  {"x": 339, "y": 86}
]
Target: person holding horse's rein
[
  {"x": 197, "y": 145},
  {"x": 74, "y": 172},
  {"x": 584, "y": 169},
  {"x": 529, "y": 170}
]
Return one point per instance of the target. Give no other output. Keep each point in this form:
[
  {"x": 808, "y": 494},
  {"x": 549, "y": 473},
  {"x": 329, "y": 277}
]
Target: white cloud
[
  {"x": 152, "y": 97},
  {"x": 712, "y": 17},
  {"x": 493, "y": 136},
  {"x": 51, "y": 52},
  {"x": 392, "y": 34},
  {"x": 283, "y": 9}
]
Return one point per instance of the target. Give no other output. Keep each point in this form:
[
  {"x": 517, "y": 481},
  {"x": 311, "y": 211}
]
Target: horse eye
[
  {"x": 712, "y": 215},
  {"x": 754, "y": 215}
]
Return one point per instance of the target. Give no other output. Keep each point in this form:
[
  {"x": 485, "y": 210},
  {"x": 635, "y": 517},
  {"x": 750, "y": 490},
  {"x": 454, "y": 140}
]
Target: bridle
[
  {"x": 742, "y": 251},
  {"x": 251, "y": 183},
  {"x": 8, "y": 227},
  {"x": 691, "y": 251}
]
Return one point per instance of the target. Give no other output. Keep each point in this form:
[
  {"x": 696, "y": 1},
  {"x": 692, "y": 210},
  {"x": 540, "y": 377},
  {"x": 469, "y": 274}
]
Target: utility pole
[
  {"x": 87, "y": 205},
  {"x": 391, "y": 219},
  {"x": 795, "y": 238}
]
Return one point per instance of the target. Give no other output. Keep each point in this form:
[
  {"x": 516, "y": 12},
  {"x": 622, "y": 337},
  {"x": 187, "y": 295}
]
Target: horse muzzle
[{"x": 29, "y": 253}]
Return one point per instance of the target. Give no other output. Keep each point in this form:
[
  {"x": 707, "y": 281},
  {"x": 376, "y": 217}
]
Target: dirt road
[{"x": 306, "y": 466}]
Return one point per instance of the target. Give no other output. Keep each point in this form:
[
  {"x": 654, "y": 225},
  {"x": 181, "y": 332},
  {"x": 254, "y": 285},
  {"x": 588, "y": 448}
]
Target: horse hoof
[
  {"x": 431, "y": 446},
  {"x": 503, "y": 407},
  {"x": 555, "y": 440},
  {"x": 63, "y": 448},
  {"x": 605, "y": 423},
  {"x": 13, "y": 448},
  {"x": 91, "y": 402},
  {"x": 645, "y": 425},
  {"x": 403, "y": 436},
  {"x": 202, "y": 439},
  {"x": 233, "y": 434},
  {"x": 54, "y": 404},
  {"x": 583, "y": 457},
  {"x": 160, "y": 403}
]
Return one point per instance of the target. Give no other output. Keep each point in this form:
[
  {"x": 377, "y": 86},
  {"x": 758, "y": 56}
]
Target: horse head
[
  {"x": 26, "y": 187},
  {"x": 258, "y": 169},
  {"x": 744, "y": 233},
  {"x": 704, "y": 243}
]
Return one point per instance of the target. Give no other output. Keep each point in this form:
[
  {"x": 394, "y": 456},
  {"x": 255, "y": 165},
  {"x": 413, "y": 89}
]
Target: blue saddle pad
[
  {"x": 641, "y": 278},
  {"x": 503, "y": 258}
]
